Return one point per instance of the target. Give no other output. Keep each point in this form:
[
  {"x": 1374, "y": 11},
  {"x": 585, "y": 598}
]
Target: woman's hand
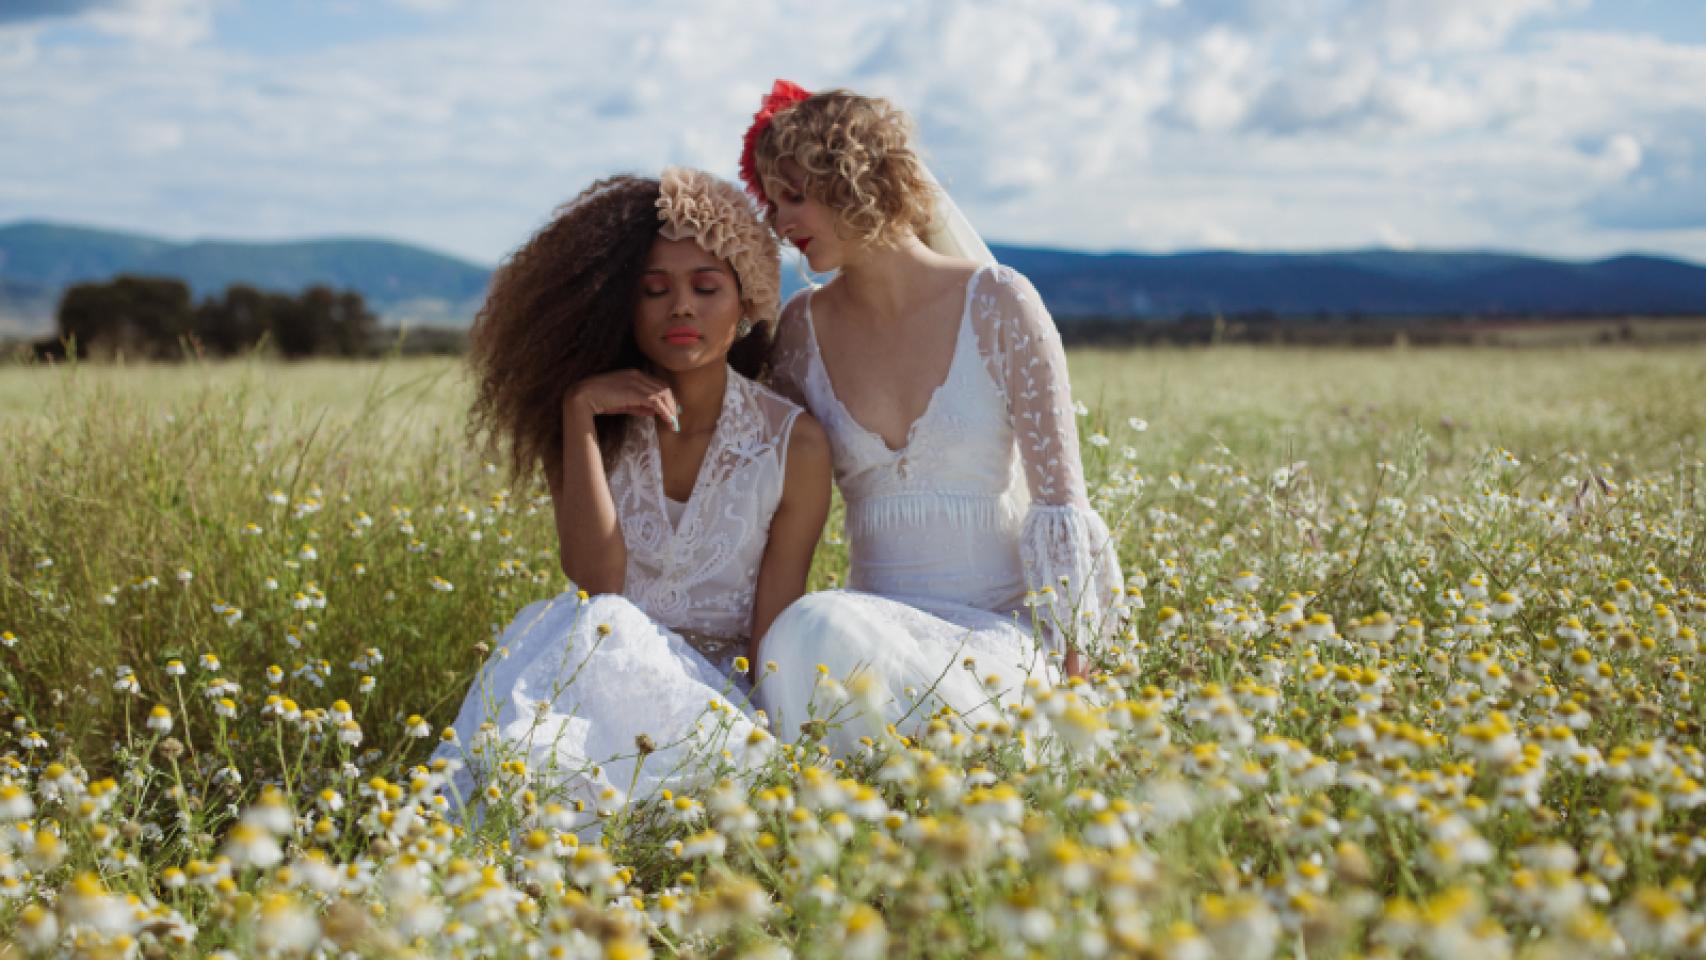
[
  {"x": 622, "y": 392},
  {"x": 589, "y": 533}
]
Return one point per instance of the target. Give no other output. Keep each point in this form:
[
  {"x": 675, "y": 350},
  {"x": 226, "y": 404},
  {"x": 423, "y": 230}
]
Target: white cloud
[
  {"x": 170, "y": 23},
  {"x": 1216, "y": 236},
  {"x": 1218, "y": 80},
  {"x": 1408, "y": 30},
  {"x": 1392, "y": 238},
  {"x": 1622, "y": 154},
  {"x": 17, "y": 48},
  {"x": 1660, "y": 185},
  {"x": 149, "y": 138},
  {"x": 429, "y": 6},
  {"x": 1150, "y": 125}
]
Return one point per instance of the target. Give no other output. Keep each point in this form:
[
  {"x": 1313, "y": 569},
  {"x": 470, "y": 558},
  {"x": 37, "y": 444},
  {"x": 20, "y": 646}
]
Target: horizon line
[{"x": 1013, "y": 245}]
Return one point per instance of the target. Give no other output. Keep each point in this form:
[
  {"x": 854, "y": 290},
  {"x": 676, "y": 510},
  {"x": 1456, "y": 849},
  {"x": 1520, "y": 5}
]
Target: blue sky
[{"x": 1573, "y": 128}]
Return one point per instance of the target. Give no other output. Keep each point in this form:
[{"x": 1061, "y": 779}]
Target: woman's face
[
  {"x": 803, "y": 221},
  {"x": 689, "y": 307}
]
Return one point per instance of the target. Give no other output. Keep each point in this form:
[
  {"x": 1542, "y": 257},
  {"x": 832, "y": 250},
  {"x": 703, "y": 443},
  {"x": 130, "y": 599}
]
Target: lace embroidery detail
[
  {"x": 789, "y": 355},
  {"x": 701, "y": 575},
  {"x": 1062, "y": 536},
  {"x": 1025, "y": 358}
]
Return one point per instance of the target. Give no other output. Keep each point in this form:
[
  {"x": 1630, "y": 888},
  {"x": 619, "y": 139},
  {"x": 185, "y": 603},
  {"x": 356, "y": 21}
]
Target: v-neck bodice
[
  {"x": 940, "y": 516},
  {"x": 698, "y": 573},
  {"x": 732, "y": 408},
  {"x": 854, "y": 427}
]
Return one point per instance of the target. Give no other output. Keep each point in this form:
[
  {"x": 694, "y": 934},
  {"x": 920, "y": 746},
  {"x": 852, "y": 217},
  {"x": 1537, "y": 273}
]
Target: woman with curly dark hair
[
  {"x": 616, "y": 352},
  {"x": 941, "y": 382}
]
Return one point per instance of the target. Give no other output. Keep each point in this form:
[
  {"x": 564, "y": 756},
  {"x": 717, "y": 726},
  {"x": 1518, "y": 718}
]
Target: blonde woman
[{"x": 940, "y": 380}]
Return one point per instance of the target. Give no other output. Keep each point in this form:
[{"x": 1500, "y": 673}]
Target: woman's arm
[
  {"x": 789, "y": 352},
  {"x": 1064, "y": 545},
  {"x": 589, "y": 536},
  {"x": 795, "y": 529}
]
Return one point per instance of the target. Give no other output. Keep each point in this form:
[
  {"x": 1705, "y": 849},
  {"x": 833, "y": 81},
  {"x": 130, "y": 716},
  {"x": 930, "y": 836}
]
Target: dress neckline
[
  {"x": 954, "y": 363},
  {"x": 690, "y": 506}
]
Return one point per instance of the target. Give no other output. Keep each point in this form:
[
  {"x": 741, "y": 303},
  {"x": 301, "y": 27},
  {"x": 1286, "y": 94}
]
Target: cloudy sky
[{"x": 1565, "y": 127}]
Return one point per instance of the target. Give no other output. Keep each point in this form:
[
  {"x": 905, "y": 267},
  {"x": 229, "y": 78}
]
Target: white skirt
[
  {"x": 893, "y": 660},
  {"x": 571, "y": 699}
]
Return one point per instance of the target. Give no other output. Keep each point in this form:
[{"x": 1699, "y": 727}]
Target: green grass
[
  {"x": 1350, "y": 481},
  {"x": 120, "y": 473},
  {"x": 1343, "y": 408}
]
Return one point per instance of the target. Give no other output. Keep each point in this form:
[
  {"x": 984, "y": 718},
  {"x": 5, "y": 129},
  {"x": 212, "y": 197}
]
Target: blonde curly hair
[{"x": 857, "y": 158}]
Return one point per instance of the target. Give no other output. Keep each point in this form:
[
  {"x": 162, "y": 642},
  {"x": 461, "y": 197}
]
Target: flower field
[{"x": 1409, "y": 667}]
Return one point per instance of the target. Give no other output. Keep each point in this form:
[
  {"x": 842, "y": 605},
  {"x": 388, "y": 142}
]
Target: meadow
[{"x": 1405, "y": 668}]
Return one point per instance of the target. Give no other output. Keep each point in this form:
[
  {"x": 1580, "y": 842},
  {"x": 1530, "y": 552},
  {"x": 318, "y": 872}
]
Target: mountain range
[
  {"x": 401, "y": 282},
  {"x": 409, "y": 284},
  {"x": 1387, "y": 283}
]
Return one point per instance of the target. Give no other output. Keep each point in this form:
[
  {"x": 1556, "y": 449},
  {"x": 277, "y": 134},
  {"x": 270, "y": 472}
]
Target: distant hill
[
  {"x": 39, "y": 260},
  {"x": 406, "y": 283},
  {"x": 1372, "y": 282}
]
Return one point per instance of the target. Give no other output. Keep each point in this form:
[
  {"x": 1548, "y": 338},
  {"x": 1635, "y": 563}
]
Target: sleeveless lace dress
[
  {"x": 571, "y": 684},
  {"x": 973, "y": 540}
]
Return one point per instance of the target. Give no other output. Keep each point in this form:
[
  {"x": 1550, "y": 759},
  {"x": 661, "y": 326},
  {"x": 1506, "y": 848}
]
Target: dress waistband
[
  {"x": 720, "y": 652},
  {"x": 965, "y": 510},
  {"x": 715, "y": 648}
]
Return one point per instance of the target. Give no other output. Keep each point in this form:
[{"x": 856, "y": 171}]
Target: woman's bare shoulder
[{"x": 950, "y": 275}]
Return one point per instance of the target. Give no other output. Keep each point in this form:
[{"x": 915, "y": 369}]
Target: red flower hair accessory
[{"x": 782, "y": 95}]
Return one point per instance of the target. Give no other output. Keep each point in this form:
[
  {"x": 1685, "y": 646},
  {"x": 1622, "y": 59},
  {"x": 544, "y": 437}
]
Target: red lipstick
[
  {"x": 682, "y": 336},
  {"x": 802, "y": 243}
]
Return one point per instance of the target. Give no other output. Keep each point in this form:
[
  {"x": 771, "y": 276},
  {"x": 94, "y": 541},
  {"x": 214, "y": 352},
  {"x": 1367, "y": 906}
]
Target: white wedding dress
[
  {"x": 975, "y": 539},
  {"x": 572, "y": 683}
]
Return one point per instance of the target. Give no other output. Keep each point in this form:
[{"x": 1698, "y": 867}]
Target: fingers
[
  {"x": 667, "y": 396},
  {"x": 633, "y": 393},
  {"x": 663, "y": 402},
  {"x": 657, "y": 395},
  {"x": 666, "y": 409},
  {"x": 661, "y": 405}
]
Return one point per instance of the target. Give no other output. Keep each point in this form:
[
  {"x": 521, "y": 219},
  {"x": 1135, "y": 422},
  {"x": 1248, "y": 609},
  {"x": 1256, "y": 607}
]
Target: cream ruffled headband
[{"x": 720, "y": 218}]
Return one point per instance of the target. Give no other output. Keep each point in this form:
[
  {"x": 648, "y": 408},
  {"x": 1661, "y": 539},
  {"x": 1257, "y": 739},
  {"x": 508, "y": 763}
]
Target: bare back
[{"x": 885, "y": 372}]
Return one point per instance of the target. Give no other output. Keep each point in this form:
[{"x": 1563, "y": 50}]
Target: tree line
[{"x": 158, "y": 318}]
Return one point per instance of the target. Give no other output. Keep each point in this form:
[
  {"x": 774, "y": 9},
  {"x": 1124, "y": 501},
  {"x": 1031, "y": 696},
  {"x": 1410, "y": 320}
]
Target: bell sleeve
[{"x": 1070, "y": 564}]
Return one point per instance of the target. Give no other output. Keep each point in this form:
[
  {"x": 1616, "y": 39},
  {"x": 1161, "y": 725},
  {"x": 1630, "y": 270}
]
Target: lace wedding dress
[
  {"x": 572, "y": 684},
  {"x": 973, "y": 540}
]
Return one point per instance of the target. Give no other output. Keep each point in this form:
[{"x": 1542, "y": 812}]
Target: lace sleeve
[
  {"x": 789, "y": 353},
  {"x": 1067, "y": 551}
]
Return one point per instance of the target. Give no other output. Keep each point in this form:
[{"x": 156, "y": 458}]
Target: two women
[{"x": 940, "y": 386}]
